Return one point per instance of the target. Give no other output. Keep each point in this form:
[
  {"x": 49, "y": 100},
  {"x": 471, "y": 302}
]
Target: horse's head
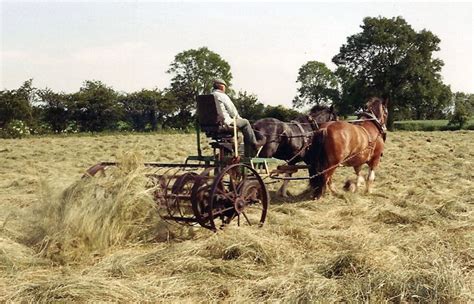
[
  {"x": 322, "y": 113},
  {"x": 378, "y": 107}
]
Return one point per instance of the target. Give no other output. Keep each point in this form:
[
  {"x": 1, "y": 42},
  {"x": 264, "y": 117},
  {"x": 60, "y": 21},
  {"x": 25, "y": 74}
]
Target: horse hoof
[
  {"x": 350, "y": 186},
  {"x": 317, "y": 196}
]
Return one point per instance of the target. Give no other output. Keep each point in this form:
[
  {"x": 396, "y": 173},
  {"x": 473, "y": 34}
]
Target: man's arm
[{"x": 230, "y": 107}]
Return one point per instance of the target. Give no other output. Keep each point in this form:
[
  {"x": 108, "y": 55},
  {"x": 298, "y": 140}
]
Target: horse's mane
[
  {"x": 318, "y": 108},
  {"x": 373, "y": 99}
]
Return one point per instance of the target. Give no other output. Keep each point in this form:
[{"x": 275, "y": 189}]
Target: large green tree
[
  {"x": 192, "y": 74},
  {"x": 17, "y": 104},
  {"x": 56, "y": 109},
  {"x": 318, "y": 85},
  {"x": 248, "y": 105},
  {"x": 96, "y": 107},
  {"x": 146, "y": 109},
  {"x": 390, "y": 59},
  {"x": 462, "y": 109},
  {"x": 281, "y": 112}
]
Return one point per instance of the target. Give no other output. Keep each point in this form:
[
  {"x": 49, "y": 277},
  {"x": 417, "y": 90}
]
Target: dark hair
[{"x": 216, "y": 85}]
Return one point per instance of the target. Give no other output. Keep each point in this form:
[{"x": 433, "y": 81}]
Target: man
[{"x": 230, "y": 111}]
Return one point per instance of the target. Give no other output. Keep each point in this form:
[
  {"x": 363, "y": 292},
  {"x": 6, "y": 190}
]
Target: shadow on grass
[{"x": 305, "y": 195}]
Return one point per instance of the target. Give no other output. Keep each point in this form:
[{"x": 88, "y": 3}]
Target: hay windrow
[
  {"x": 94, "y": 214},
  {"x": 64, "y": 239}
]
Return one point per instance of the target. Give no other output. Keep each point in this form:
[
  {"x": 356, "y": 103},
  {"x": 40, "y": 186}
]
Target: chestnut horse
[
  {"x": 289, "y": 140},
  {"x": 348, "y": 144}
]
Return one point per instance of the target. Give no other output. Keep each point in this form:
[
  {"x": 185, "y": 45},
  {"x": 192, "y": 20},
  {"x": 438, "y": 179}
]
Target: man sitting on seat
[{"x": 230, "y": 111}]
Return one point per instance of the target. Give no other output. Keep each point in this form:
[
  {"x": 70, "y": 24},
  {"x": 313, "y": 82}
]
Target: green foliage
[
  {"x": 389, "y": 59},
  {"x": 280, "y": 112},
  {"x": 318, "y": 85},
  {"x": 459, "y": 117},
  {"x": 56, "y": 109},
  {"x": 146, "y": 109},
  {"x": 16, "y": 104},
  {"x": 193, "y": 72},
  {"x": 248, "y": 106},
  {"x": 15, "y": 129},
  {"x": 463, "y": 109},
  {"x": 95, "y": 107},
  {"x": 430, "y": 125}
]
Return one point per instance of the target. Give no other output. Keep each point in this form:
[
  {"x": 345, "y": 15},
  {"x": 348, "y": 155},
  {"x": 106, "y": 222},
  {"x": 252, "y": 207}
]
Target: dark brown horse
[
  {"x": 348, "y": 144},
  {"x": 289, "y": 140}
]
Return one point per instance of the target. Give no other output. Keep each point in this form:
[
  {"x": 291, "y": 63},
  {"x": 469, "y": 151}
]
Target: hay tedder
[{"x": 214, "y": 190}]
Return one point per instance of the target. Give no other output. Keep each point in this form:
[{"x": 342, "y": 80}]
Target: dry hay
[{"x": 100, "y": 240}]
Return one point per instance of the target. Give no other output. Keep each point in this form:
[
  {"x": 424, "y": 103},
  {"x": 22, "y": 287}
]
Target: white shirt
[{"x": 227, "y": 106}]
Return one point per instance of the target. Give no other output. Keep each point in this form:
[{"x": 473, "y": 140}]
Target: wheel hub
[{"x": 239, "y": 204}]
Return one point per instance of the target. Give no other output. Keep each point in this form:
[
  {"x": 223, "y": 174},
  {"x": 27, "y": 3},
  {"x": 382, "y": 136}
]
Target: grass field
[
  {"x": 430, "y": 125},
  {"x": 427, "y": 125},
  {"x": 65, "y": 239}
]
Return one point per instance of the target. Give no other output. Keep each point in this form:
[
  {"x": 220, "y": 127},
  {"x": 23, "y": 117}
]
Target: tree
[
  {"x": 146, "y": 109},
  {"x": 318, "y": 85},
  {"x": 193, "y": 72},
  {"x": 95, "y": 107},
  {"x": 56, "y": 110},
  {"x": 280, "y": 112},
  {"x": 16, "y": 104},
  {"x": 248, "y": 106},
  {"x": 463, "y": 109},
  {"x": 389, "y": 59}
]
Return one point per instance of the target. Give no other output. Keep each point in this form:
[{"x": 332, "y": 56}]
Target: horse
[
  {"x": 288, "y": 140},
  {"x": 349, "y": 144}
]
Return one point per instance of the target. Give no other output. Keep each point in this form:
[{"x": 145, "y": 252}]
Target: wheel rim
[{"x": 239, "y": 193}]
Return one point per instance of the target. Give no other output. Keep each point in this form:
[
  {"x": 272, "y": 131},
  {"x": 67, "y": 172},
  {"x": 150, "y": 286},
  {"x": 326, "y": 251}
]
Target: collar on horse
[
  {"x": 381, "y": 127},
  {"x": 305, "y": 138},
  {"x": 313, "y": 122}
]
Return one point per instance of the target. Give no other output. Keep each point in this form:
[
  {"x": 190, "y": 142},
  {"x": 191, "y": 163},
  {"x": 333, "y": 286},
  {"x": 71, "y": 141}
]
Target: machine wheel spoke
[{"x": 246, "y": 218}]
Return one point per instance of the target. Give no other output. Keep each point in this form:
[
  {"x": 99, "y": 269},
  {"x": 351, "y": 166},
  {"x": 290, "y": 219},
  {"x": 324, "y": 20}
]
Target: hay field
[{"x": 65, "y": 239}]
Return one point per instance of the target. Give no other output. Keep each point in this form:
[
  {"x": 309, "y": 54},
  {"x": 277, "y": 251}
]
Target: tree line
[
  {"x": 97, "y": 107},
  {"x": 388, "y": 58}
]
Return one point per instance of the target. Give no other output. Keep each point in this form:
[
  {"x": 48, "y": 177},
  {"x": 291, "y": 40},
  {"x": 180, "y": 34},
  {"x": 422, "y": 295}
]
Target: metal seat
[{"x": 211, "y": 119}]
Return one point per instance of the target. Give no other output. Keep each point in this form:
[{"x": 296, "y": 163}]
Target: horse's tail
[{"x": 317, "y": 160}]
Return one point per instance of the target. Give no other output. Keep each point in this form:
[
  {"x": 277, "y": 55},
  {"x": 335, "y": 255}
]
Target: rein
[
  {"x": 312, "y": 122},
  {"x": 381, "y": 127},
  {"x": 369, "y": 146}
]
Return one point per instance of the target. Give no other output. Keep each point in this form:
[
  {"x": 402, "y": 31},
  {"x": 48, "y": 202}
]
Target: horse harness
[
  {"x": 300, "y": 127},
  {"x": 372, "y": 143},
  {"x": 307, "y": 140},
  {"x": 382, "y": 128}
]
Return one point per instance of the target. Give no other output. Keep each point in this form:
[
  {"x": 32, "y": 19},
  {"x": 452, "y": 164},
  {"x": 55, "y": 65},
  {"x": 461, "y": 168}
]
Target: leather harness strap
[
  {"x": 313, "y": 122},
  {"x": 374, "y": 119},
  {"x": 371, "y": 144},
  {"x": 305, "y": 138}
]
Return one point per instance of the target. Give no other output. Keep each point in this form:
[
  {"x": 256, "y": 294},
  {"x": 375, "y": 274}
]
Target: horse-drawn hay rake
[{"x": 228, "y": 188}]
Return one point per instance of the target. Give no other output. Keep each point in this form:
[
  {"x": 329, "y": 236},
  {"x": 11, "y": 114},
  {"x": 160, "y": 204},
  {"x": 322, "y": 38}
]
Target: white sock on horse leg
[
  {"x": 360, "y": 180},
  {"x": 370, "y": 180}
]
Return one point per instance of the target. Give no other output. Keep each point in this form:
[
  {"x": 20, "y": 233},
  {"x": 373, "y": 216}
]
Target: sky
[{"x": 129, "y": 45}]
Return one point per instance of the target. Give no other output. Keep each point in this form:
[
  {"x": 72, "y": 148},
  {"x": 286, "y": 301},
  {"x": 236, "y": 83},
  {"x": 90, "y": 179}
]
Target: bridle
[
  {"x": 314, "y": 124},
  {"x": 372, "y": 117}
]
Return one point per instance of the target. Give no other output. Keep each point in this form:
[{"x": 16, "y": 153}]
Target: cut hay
[
  {"x": 63, "y": 239},
  {"x": 96, "y": 213}
]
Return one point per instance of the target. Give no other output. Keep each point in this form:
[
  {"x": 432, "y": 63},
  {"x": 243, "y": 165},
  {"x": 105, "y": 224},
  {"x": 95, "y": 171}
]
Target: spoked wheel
[
  {"x": 238, "y": 193},
  {"x": 200, "y": 199}
]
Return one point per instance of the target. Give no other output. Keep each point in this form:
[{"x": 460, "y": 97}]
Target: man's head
[{"x": 219, "y": 84}]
